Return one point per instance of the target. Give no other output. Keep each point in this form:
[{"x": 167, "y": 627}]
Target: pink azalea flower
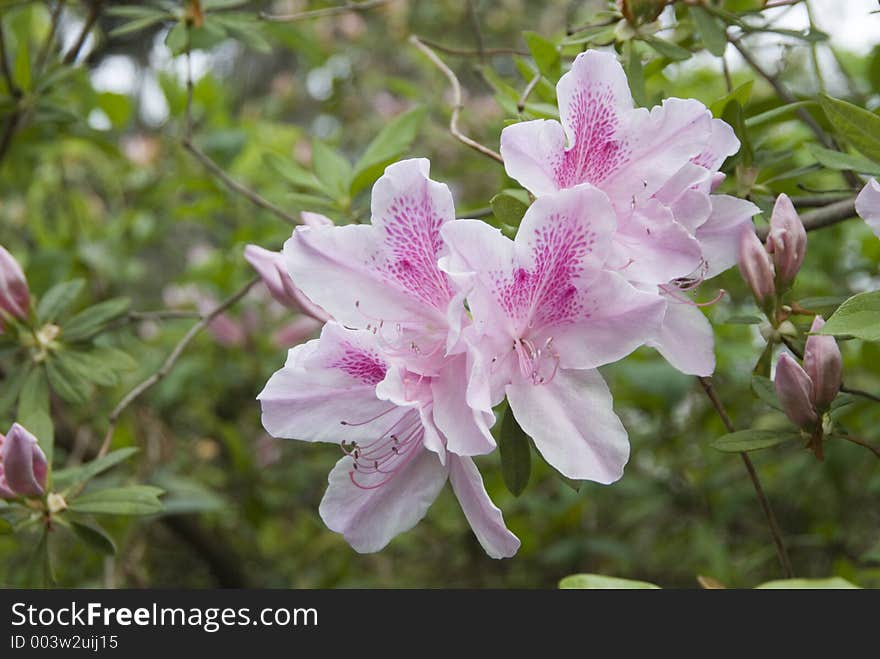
[
  {"x": 868, "y": 205},
  {"x": 273, "y": 271},
  {"x": 658, "y": 167},
  {"x": 343, "y": 388},
  {"x": 385, "y": 277},
  {"x": 545, "y": 314}
]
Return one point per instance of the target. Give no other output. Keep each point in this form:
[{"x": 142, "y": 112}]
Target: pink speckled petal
[
  {"x": 326, "y": 392},
  {"x": 572, "y": 420},
  {"x": 533, "y": 152}
]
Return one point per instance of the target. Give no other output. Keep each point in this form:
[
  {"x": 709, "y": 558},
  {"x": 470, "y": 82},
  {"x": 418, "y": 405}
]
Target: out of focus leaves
[
  {"x": 859, "y": 126},
  {"x": 859, "y": 317},
  {"x": 601, "y": 582}
]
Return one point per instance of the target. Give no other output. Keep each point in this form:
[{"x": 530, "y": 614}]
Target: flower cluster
[{"x": 435, "y": 321}]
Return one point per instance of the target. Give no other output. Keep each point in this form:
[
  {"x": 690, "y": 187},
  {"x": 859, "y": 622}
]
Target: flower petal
[
  {"x": 370, "y": 518},
  {"x": 532, "y": 152},
  {"x": 572, "y": 421},
  {"x": 24, "y": 463},
  {"x": 868, "y": 205},
  {"x": 326, "y": 391},
  {"x": 686, "y": 339},
  {"x": 484, "y": 516},
  {"x": 466, "y": 430},
  {"x": 723, "y": 142},
  {"x": 719, "y": 236}
]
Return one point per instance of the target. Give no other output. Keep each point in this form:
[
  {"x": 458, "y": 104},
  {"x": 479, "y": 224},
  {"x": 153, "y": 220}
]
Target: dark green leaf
[
  {"x": 859, "y": 126},
  {"x": 91, "y": 321},
  {"x": 743, "y": 320},
  {"x": 516, "y": 454},
  {"x": 859, "y": 316},
  {"x": 131, "y": 500},
  {"x": 765, "y": 390},
  {"x": 752, "y": 440},
  {"x": 66, "y": 382},
  {"x": 11, "y": 387},
  {"x": 33, "y": 409},
  {"x": 635, "y": 72},
  {"x": 95, "y": 537},
  {"x": 73, "y": 476},
  {"x": 712, "y": 31},
  {"x": 58, "y": 299},
  {"x": 509, "y": 206}
]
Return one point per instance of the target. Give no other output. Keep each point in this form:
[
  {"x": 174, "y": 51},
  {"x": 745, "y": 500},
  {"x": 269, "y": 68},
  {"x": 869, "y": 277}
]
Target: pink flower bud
[
  {"x": 304, "y": 327},
  {"x": 23, "y": 466},
  {"x": 15, "y": 298},
  {"x": 227, "y": 332},
  {"x": 787, "y": 241},
  {"x": 271, "y": 268},
  {"x": 756, "y": 267},
  {"x": 794, "y": 389},
  {"x": 823, "y": 363}
]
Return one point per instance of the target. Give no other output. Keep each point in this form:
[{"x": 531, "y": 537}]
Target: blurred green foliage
[{"x": 95, "y": 184}]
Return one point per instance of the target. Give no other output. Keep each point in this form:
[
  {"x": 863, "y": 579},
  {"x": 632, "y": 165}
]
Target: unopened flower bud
[
  {"x": 23, "y": 466},
  {"x": 315, "y": 220},
  {"x": 756, "y": 267},
  {"x": 15, "y": 299},
  {"x": 271, "y": 268},
  {"x": 794, "y": 389},
  {"x": 787, "y": 241},
  {"x": 823, "y": 363}
]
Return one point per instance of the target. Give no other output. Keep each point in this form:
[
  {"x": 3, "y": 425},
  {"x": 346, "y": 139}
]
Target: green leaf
[
  {"x": 752, "y": 440},
  {"x": 245, "y": 28},
  {"x": 635, "y": 72},
  {"x": 859, "y": 126},
  {"x": 332, "y": 170},
  {"x": 176, "y": 39},
  {"x": 73, "y": 476},
  {"x": 822, "y": 302},
  {"x": 774, "y": 114},
  {"x": 89, "y": 366},
  {"x": 509, "y": 206},
  {"x": 58, "y": 299},
  {"x": 742, "y": 94},
  {"x": 138, "y": 24},
  {"x": 6, "y": 527},
  {"x": 132, "y": 11},
  {"x": 117, "y": 107},
  {"x": 843, "y": 161},
  {"x": 733, "y": 115},
  {"x": 859, "y": 316},
  {"x": 712, "y": 31},
  {"x": 66, "y": 382},
  {"x": 831, "y": 583},
  {"x": 222, "y": 4},
  {"x": 743, "y": 320},
  {"x": 393, "y": 140},
  {"x": 11, "y": 388},
  {"x": 293, "y": 172},
  {"x": 95, "y": 537},
  {"x": 131, "y": 500},
  {"x": 91, "y": 321},
  {"x": 516, "y": 454},
  {"x": 601, "y": 582},
  {"x": 185, "y": 496},
  {"x": 33, "y": 409},
  {"x": 21, "y": 73},
  {"x": 545, "y": 54},
  {"x": 765, "y": 390},
  {"x": 667, "y": 49}
]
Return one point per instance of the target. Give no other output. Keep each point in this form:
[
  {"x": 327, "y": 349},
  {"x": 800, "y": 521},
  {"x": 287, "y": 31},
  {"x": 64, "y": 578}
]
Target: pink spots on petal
[
  {"x": 548, "y": 294},
  {"x": 597, "y": 151},
  {"x": 364, "y": 365},
  {"x": 412, "y": 246}
]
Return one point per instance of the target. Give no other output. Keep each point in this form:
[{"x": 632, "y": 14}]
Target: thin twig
[
  {"x": 239, "y": 188},
  {"x": 320, "y": 13},
  {"x": 521, "y": 103},
  {"x": 820, "y": 218},
  {"x": 50, "y": 37},
  {"x": 170, "y": 361},
  {"x": 94, "y": 12},
  {"x": 818, "y": 200},
  {"x": 465, "y": 52},
  {"x": 781, "y": 552},
  {"x": 860, "y": 392},
  {"x": 861, "y": 442},
  {"x": 457, "y": 104},
  {"x": 478, "y": 32}
]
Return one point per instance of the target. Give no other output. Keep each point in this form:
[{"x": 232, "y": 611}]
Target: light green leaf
[
  {"x": 12, "y": 387},
  {"x": 765, "y": 390},
  {"x": 395, "y": 138},
  {"x": 859, "y": 126},
  {"x": 742, "y": 94},
  {"x": 293, "y": 172},
  {"x": 831, "y": 583},
  {"x": 516, "y": 454},
  {"x": 859, "y": 316},
  {"x": 138, "y": 24},
  {"x": 545, "y": 54},
  {"x": 66, "y": 382},
  {"x": 635, "y": 72},
  {"x": 33, "y": 409},
  {"x": 667, "y": 49},
  {"x": 91, "y": 321},
  {"x": 73, "y": 476},
  {"x": 601, "y": 582},
  {"x": 132, "y": 500},
  {"x": 509, "y": 206},
  {"x": 712, "y": 31},
  {"x": 95, "y": 537},
  {"x": 843, "y": 161},
  {"x": 58, "y": 299},
  {"x": 332, "y": 170},
  {"x": 752, "y": 440}
]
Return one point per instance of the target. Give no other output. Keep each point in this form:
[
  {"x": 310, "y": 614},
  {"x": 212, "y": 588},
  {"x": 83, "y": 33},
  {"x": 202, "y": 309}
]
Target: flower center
[
  {"x": 376, "y": 462},
  {"x": 536, "y": 364}
]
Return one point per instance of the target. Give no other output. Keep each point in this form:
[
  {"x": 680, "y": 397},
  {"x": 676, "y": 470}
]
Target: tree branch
[
  {"x": 92, "y": 18},
  {"x": 170, "y": 361},
  {"x": 861, "y": 442},
  {"x": 320, "y": 13},
  {"x": 706, "y": 384},
  {"x": 457, "y": 104}
]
